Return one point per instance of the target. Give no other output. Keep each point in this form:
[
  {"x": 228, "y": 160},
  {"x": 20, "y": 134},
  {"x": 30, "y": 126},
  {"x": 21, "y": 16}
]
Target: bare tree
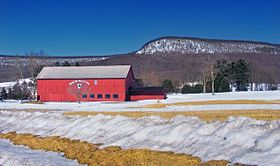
[
  {"x": 205, "y": 76},
  {"x": 35, "y": 66},
  {"x": 213, "y": 75},
  {"x": 150, "y": 78},
  {"x": 209, "y": 73},
  {"x": 18, "y": 68}
]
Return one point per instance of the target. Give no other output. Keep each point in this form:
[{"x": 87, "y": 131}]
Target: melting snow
[
  {"x": 239, "y": 139},
  {"x": 13, "y": 155}
]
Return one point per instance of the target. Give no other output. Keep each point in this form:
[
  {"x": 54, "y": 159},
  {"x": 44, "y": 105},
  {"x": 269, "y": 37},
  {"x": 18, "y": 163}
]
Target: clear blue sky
[{"x": 102, "y": 27}]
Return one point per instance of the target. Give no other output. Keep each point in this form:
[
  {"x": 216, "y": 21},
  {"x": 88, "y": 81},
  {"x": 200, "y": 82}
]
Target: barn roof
[{"x": 84, "y": 72}]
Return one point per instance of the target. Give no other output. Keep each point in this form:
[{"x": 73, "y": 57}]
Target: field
[{"x": 198, "y": 129}]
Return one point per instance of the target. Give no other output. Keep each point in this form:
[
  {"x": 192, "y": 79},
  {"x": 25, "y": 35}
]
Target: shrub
[{"x": 198, "y": 88}]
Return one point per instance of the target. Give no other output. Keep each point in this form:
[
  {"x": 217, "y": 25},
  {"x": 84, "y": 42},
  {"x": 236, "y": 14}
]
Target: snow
[
  {"x": 12, "y": 83},
  {"x": 240, "y": 139},
  {"x": 195, "y": 46},
  {"x": 173, "y": 98},
  {"x": 13, "y": 155}
]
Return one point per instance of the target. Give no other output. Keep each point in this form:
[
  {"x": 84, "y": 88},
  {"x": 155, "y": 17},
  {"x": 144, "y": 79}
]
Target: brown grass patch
[
  {"x": 211, "y": 102},
  {"x": 87, "y": 153},
  {"x": 33, "y": 102},
  {"x": 264, "y": 114}
]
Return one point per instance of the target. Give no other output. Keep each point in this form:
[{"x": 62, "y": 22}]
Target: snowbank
[
  {"x": 242, "y": 140},
  {"x": 13, "y": 155}
]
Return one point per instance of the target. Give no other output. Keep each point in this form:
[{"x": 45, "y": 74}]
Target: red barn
[{"x": 91, "y": 83}]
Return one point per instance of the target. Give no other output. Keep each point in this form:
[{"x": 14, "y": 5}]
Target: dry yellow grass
[
  {"x": 262, "y": 114},
  {"x": 34, "y": 102},
  {"x": 87, "y": 153},
  {"x": 211, "y": 102}
]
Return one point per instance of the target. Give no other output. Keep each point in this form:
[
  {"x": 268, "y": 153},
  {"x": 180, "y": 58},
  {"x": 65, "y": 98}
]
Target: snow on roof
[{"x": 76, "y": 72}]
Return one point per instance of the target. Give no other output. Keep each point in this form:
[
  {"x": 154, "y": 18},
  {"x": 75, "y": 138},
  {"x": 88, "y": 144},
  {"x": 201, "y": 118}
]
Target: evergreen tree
[
  {"x": 57, "y": 63},
  {"x": 168, "y": 86},
  {"x": 77, "y": 64},
  {"x": 198, "y": 88},
  {"x": 221, "y": 82},
  {"x": 9, "y": 93},
  {"x": 4, "y": 94},
  {"x": 20, "y": 92},
  {"x": 234, "y": 73},
  {"x": 241, "y": 75},
  {"x": 66, "y": 63}
]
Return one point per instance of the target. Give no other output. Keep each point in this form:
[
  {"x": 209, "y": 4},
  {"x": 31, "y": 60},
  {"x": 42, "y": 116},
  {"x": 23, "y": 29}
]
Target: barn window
[
  {"x": 115, "y": 96},
  {"x": 91, "y": 95},
  {"x": 107, "y": 96},
  {"x": 99, "y": 96},
  {"x": 84, "y": 96}
]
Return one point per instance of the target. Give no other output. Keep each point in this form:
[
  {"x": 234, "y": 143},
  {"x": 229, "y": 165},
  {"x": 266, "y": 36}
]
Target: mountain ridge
[
  {"x": 168, "y": 44},
  {"x": 179, "y": 66},
  {"x": 211, "y": 39},
  {"x": 157, "y": 39}
]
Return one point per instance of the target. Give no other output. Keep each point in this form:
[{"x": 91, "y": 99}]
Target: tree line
[
  {"x": 66, "y": 63},
  {"x": 23, "y": 90},
  {"x": 220, "y": 76}
]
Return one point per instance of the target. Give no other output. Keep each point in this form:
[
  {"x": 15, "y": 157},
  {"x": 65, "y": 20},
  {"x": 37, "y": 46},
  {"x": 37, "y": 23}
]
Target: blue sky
[{"x": 103, "y": 27}]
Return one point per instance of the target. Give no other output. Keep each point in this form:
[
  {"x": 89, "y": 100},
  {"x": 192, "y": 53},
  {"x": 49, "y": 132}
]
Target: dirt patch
[
  {"x": 90, "y": 154},
  {"x": 212, "y": 102},
  {"x": 261, "y": 114}
]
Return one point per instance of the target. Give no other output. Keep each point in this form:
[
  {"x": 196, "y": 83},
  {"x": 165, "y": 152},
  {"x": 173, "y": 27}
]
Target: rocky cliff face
[{"x": 200, "y": 46}]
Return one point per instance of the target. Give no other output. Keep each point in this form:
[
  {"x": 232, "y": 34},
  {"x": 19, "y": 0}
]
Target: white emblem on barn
[
  {"x": 79, "y": 86},
  {"x": 79, "y": 82}
]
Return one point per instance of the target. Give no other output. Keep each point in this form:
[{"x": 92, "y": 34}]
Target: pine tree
[
  {"x": 77, "y": 64},
  {"x": 198, "y": 88},
  {"x": 241, "y": 75},
  {"x": 20, "y": 91},
  {"x": 57, "y": 63},
  {"x": 66, "y": 63},
  {"x": 221, "y": 82},
  {"x": 4, "y": 94},
  {"x": 168, "y": 86}
]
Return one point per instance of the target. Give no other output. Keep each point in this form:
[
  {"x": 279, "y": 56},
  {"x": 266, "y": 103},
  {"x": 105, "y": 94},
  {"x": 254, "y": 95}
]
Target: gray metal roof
[{"x": 79, "y": 72}]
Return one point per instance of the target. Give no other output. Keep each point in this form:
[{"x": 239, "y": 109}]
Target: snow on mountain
[
  {"x": 196, "y": 46},
  {"x": 24, "y": 61}
]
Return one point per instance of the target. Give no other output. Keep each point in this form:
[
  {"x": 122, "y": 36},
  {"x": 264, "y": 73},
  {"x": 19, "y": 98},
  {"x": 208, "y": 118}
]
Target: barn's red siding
[{"x": 57, "y": 90}]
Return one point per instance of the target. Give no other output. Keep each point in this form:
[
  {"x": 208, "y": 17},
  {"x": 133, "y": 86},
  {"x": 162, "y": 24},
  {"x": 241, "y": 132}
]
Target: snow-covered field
[
  {"x": 13, "y": 155},
  {"x": 128, "y": 106},
  {"x": 238, "y": 139}
]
